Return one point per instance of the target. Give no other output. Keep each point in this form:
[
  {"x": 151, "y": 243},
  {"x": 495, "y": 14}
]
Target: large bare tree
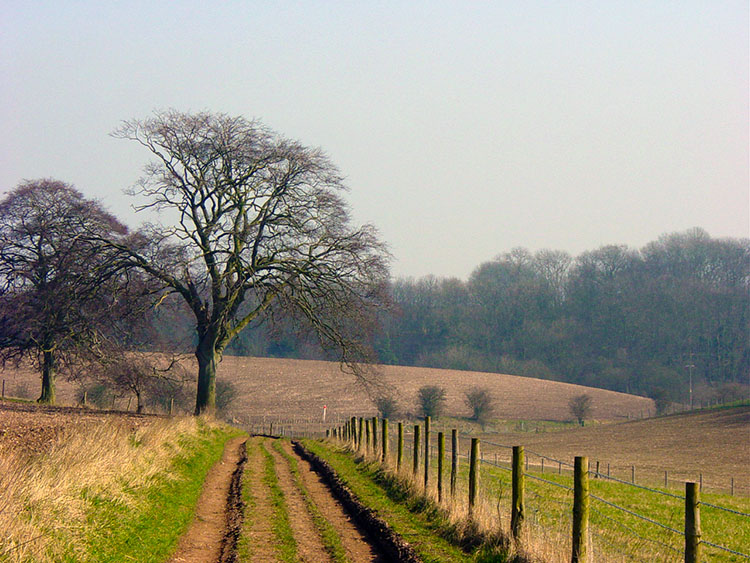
[
  {"x": 259, "y": 226},
  {"x": 58, "y": 284}
]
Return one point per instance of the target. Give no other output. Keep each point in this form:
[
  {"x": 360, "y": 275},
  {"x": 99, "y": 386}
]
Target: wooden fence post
[
  {"x": 692, "y": 523},
  {"x": 473, "y": 474},
  {"x": 385, "y": 441},
  {"x": 426, "y": 452},
  {"x": 517, "y": 510},
  {"x": 441, "y": 454},
  {"x": 454, "y": 461},
  {"x": 580, "y": 511},
  {"x": 353, "y": 425},
  {"x": 400, "y": 446},
  {"x": 171, "y": 406},
  {"x": 375, "y": 437},
  {"x": 367, "y": 436},
  {"x": 416, "y": 449},
  {"x": 361, "y": 434}
]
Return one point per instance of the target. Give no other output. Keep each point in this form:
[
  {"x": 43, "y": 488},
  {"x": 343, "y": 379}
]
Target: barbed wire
[
  {"x": 637, "y": 486},
  {"x": 745, "y": 555},
  {"x": 530, "y": 476},
  {"x": 725, "y": 509},
  {"x": 632, "y": 531},
  {"x": 645, "y": 518}
]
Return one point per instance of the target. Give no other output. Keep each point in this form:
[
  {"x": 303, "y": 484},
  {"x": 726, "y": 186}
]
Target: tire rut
[
  {"x": 203, "y": 539},
  {"x": 310, "y": 547},
  {"x": 358, "y": 546}
]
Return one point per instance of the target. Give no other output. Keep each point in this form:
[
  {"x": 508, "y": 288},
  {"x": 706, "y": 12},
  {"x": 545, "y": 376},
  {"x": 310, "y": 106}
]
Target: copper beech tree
[
  {"x": 258, "y": 227},
  {"x": 58, "y": 283}
]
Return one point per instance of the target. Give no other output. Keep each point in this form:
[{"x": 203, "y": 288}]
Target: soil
[
  {"x": 29, "y": 428},
  {"x": 203, "y": 540}
]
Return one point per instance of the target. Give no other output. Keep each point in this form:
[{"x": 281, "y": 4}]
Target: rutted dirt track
[{"x": 214, "y": 532}]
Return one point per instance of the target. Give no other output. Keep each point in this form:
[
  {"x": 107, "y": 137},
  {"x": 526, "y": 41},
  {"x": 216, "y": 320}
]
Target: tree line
[{"x": 643, "y": 321}]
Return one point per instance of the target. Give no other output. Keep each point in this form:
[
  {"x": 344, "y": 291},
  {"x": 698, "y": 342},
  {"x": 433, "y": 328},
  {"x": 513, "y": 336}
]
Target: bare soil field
[
  {"x": 32, "y": 428},
  {"x": 714, "y": 442},
  {"x": 281, "y": 388}
]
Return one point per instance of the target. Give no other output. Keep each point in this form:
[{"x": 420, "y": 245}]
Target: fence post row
[
  {"x": 517, "y": 510},
  {"x": 580, "y": 510}
]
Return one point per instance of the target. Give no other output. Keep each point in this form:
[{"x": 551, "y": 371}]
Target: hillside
[{"x": 282, "y": 388}]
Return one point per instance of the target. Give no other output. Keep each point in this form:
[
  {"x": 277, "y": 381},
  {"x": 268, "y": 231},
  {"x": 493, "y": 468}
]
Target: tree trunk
[
  {"x": 48, "y": 379},
  {"x": 205, "y": 352}
]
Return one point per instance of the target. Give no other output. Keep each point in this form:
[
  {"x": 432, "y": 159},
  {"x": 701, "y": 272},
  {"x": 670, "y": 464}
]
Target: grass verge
[
  {"x": 107, "y": 492},
  {"x": 429, "y": 529}
]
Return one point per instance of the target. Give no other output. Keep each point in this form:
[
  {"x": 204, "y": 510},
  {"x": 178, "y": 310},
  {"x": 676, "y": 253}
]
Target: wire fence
[{"x": 622, "y": 523}]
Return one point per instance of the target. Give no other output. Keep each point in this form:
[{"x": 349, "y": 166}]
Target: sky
[{"x": 464, "y": 129}]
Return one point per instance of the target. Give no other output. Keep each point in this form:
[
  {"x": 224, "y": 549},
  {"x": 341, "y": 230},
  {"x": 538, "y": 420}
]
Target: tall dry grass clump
[{"x": 44, "y": 498}]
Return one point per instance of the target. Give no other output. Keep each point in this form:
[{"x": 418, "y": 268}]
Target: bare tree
[
  {"x": 431, "y": 400},
  {"x": 580, "y": 407},
  {"x": 479, "y": 400},
  {"x": 57, "y": 282},
  {"x": 260, "y": 227}
]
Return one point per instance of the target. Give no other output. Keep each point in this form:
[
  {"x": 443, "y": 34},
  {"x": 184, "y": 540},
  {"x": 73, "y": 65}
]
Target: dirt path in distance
[{"x": 202, "y": 542}]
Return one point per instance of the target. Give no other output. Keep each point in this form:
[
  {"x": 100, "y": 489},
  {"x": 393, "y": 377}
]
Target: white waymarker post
[{"x": 324, "y": 412}]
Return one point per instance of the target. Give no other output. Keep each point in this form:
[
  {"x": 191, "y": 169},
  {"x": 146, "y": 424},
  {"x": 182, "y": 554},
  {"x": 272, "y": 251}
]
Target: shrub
[
  {"x": 431, "y": 400},
  {"x": 481, "y": 403},
  {"x": 580, "y": 407},
  {"x": 226, "y": 393},
  {"x": 387, "y": 406}
]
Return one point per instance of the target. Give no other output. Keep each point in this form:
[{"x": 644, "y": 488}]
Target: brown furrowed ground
[
  {"x": 31, "y": 429},
  {"x": 713, "y": 442},
  {"x": 280, "y": 389}
]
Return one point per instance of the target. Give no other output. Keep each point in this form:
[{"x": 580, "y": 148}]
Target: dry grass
[{"x": 44, "y": 497}]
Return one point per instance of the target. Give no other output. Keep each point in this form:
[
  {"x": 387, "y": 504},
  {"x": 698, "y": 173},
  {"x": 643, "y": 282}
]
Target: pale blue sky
[{"x": 464, "y": 128}]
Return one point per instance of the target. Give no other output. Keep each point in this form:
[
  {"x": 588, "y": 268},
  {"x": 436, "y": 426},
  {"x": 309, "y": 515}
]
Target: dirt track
[{"x": 212, "y": 535}]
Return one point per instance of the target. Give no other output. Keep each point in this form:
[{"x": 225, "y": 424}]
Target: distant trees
[
  {"x": 58, "y": 283},
  {"x": 431, "y": 400},
  {"x": 261, "y": 231},
  {"x": 580, "y": 407},
  {"x": 623, "y": 319},
  {"x": 481, "y": 403}
]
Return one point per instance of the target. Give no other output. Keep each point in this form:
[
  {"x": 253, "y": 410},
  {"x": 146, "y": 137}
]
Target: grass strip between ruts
[
  {"x": 286, "y": 545},
  {"x": 328, "y": 534}
]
